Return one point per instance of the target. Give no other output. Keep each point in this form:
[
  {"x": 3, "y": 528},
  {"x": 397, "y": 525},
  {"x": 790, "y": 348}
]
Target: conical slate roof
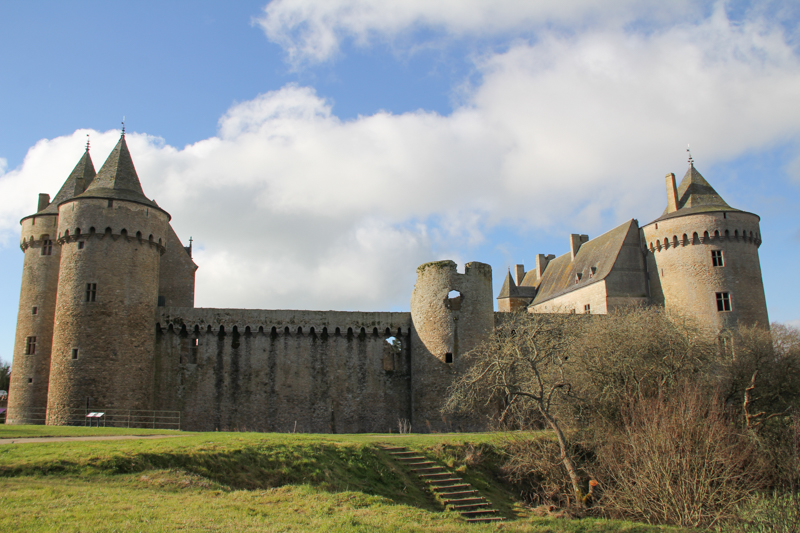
[
  {"x": 696, "y": 195},
  {"x": 509, "y": 289},
  {"x": 83, "y": 170},
  {"x": 117, "y": 179}
]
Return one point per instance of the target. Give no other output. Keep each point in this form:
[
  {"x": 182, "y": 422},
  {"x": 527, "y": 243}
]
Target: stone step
[
  {"x": 433, "y": 475},
  {"x": 486, "y": 519},
  {"x": 443, "y": 488},
  {"x": 429, "y": 470},
  {"x": 457, "y": 493},
  {"x": 420, "y": 463},
  {"x": 436, "y": 482},
  {"x": 478, "y": 512},
  {"x": 402, "y": 453},
  {"x": 410, "y": 458},
  {"x": 394, "y": 448},
  {"x": 469, "y": 506},
  {"x": 477, "y": 499}
]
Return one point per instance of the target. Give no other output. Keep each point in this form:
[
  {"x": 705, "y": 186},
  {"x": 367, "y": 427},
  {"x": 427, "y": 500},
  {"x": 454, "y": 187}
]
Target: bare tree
[{"x": 522, "y": 369}]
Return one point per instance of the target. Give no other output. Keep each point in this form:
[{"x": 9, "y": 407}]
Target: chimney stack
[
  {"x": 44, "y": 201},
  {"x": 519, "y": 274},
  {"x": 576, "y": 240},
  {"x": 672, "y": 194},
  {"x": 541, "y": 264}
]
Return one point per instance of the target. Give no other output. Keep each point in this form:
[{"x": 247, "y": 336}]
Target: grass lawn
[{"x": 245, "y": 482}]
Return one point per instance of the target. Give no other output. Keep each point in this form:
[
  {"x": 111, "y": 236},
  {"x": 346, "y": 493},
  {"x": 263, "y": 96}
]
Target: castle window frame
[
  {"x": 91, "y": 292},
  {"x": 74, "y": 353},
  {"x": 35, "y": 310},
  {"x": 111, "y": 203},
  {"x": 587, "y": 309},
  {"x": 723, "y": 302},
  {"x": 30, "y": 345},
  {"x": 81, "y": 245},
  {"x": 47, "y": 247},
  {"x": 716, "y": 258},
  {"x": 448, "y": 357}
]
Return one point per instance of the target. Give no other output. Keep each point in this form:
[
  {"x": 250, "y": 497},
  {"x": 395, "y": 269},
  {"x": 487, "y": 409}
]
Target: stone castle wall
[
  {"x": 305, "y": 371},
  {"x": 683, "y": 279}
]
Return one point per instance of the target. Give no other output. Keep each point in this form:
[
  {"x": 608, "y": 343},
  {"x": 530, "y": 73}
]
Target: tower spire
[
  {"x": 87, "y": 142},
  {"x": 123, "y": 125},
  {"x": 689, "y": 151}
]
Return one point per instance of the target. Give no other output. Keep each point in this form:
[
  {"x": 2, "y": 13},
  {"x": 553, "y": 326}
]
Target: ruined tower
[
  {"x": 451, "y": 313},
  {"x": 111, "y": 238},
  {"x": 37, "y": 301},
  {"x": 702, "y": 257}
]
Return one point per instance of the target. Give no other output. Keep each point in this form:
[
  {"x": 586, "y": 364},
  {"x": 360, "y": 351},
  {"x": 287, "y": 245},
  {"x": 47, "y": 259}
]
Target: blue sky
[{"x": 318, "y": 151}]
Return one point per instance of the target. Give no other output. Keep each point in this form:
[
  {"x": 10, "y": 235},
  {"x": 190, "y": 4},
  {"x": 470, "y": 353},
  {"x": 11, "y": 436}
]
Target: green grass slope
[{"x": 249, "y": 482}]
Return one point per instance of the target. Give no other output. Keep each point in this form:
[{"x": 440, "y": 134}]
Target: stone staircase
[{"x": 448, "y": 488}]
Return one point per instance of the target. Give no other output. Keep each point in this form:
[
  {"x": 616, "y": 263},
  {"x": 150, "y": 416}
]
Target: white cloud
[
  {"x": 312, "y": 30},
  {"x": 293, "y": 207}
]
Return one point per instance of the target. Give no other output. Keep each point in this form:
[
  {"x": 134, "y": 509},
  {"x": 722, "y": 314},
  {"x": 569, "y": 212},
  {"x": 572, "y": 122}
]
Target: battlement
[
  {"x": 315, "y": 324},
  {"x": 77, "y": 235}
]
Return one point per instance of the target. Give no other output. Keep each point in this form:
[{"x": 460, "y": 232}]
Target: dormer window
[
  {"x": 578, "y": 277},
  {"x": 593, "y": 272}
]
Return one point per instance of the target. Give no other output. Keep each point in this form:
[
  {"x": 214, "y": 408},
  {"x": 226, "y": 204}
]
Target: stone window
[
  {"x": 162, "y": 301},
  {"x": 35, "y": 310},
  {"x": 587, "y": 309},
  {"x": 448, "y": 357},
  {"x": 716, "y": 258},
  {"x": 47, "y": 247},
  {"x": 111, "y": 203},
  {"x": 74, "y": 353},
  {"x": 30, "y": 380},
  {"x": 81, "y": 244},
  {"x": 30, "y": 346},
  {"x": 91, "y": 292},
  {"x": 723, "y": 301}
]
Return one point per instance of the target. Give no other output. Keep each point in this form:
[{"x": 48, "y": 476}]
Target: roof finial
[
  {"x": 691, "y": 161},
  {"x": 87, "y": 142},
  {"x": 123, "y": 125}
]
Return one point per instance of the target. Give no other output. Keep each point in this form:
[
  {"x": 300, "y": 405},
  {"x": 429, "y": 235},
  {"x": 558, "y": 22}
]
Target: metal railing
[{"x": 120, "y": 418}]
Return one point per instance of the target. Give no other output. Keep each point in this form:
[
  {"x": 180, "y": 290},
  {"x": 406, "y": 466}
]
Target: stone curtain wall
[{"x": 256, "y": 370}]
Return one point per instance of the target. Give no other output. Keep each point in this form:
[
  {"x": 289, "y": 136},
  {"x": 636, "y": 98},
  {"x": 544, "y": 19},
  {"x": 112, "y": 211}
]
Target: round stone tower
[
  {"x": 111, "y": 239},
  {"x": 451, "y": 313},
  {"x": 37, "y": 301},
  {"x": 702, "y": 257}
]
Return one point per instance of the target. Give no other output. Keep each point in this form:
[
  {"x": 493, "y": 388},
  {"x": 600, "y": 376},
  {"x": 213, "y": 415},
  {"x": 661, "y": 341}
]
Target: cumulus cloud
[
  {"x": 293, "y": 207},
  {"x": 313, "y": 30}
]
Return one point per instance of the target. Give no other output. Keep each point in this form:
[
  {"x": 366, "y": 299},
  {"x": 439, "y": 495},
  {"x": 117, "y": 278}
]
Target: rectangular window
[
  {"x": 81, "y": 244},
  {"x": 162, "y": 301},
  {"x": 723, "y": 301},
  {"x": 91, "y": 292},
  {"x": 716, "y": 258},
  {"x": 448, "y": 357},
  {"x": 74, "y": 353},
  {"x": 111, "y": 203},
  {"x": 35, "y": 311},
  {"x": 47, "y": 247},
  {"x": 587, "y": 309},
  {"x": 30, "y": 346}
]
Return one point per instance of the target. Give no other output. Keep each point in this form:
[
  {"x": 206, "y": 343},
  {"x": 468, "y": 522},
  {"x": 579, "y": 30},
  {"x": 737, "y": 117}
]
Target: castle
[{"x": 107, "y": 319}]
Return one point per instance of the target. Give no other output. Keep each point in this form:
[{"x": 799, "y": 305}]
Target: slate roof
[
  {"x": 117, "y": 179},
  {"x": 696, "y": 195},
  {"x": 84, "y": 169},
  {"x": 601, "y": 253}
]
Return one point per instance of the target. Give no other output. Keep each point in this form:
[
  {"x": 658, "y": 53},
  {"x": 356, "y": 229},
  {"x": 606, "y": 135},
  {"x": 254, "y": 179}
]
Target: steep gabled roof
[
  {"x": 696, "y": 195},
  {"x": 117, "y": 179},
  {"x": 600, "y": 253},
  {"x": 84, "y": 170}
]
